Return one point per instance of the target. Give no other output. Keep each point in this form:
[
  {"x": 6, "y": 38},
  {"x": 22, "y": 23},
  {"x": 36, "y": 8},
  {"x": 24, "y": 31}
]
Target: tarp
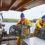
[{"x": 34, "y": 41}]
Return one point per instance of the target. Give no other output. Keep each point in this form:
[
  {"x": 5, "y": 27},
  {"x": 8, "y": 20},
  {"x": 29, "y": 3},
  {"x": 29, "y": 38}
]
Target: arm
[
  {"x": 38, "y": 24},
  {"x": 29, "y": 23}
]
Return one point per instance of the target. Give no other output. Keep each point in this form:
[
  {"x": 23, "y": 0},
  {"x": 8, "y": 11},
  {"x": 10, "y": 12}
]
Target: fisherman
[
  {"x": 40, "y": 23},
  {"x": 24, "y": 21}
]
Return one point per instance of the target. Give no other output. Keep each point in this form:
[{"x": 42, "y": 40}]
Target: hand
[{"x": 28, "y": 27}]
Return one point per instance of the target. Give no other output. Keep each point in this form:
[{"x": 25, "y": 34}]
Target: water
[{"x": 9, "y": 24}]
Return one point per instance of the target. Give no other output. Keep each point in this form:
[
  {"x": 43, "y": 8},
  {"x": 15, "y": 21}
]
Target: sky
[
  {"x": 35, "y": 12},
  {"x": 31, "y": 14}
]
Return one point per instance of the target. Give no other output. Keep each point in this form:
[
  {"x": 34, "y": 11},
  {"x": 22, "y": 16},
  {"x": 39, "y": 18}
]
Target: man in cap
[{"x": 24, "y": 21}]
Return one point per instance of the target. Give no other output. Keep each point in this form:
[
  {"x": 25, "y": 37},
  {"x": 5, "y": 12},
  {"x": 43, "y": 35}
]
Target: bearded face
[{"x": 42, "y": 23}]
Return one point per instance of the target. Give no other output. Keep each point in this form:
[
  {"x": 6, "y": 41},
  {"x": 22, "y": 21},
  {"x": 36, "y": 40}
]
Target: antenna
[{"x": 1, "y": 16}]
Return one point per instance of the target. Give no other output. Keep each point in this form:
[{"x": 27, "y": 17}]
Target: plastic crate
[{"x": 41, "y": 33}]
